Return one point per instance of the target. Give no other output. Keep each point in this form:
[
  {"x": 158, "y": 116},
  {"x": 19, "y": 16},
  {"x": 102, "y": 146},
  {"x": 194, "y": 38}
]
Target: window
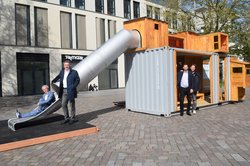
[
  {"x": 111, "y": 33},
  {"x": 80, "y": 32},
  {"x": 157, "y": 13},
  {"x": 216, "y": 42},
  {"x": 174, "y": 20},
  {"x": 248, "y": 71},
  {"x": 136, "y": 9},
  {"x": 100, "y": 31},
  {"x": 111, "y": 7},
  {"x": 127, "y": 9},
  {"x": 22, "y": 25},
  {"x": 65, "y": 2},
  {"x": 80, "y": 4},
  {"x": 149, "y": 11},
  {"x": 41, "y": 27},
  {"x": 111, "y": 28},
  {"x": 99, "y": 6},
  {"x": 108, "y": 78},
  {"x": 237, "y": 69},
  {"x": 32, "y": 72},
  {"x": 113, "y": 78},
  {"x": 66, "y": 30}
]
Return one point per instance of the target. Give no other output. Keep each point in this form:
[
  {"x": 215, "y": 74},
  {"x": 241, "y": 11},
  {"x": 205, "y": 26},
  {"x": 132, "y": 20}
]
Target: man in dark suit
[
  {"x": 184, "y": 83},
  {"x": 195, "y": 87},
  {"x": 69, "y": 80}
]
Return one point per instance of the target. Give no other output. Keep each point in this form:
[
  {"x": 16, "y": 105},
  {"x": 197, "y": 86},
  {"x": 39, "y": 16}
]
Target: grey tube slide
[{"x": 91, "y": 66}]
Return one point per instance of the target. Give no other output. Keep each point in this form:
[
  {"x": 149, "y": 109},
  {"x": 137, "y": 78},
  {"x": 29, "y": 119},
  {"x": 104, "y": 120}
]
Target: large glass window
[
  {"x": 149, "y": 11},
  {"x": 80, "y": 32},
  {"x": 136, "y": 9},
  {"x": 111, "y": 7},
  {"x": 108, "y": 78},
  {"x": 80, "y": 4},
  {"x": 100, "y": 31},
  {"x": 127, "y": 9},
  {"x": 32, "y": 72},
  {"x": 22, "y": 20},
  {"x": 66, "y": 30},
  {"x": 41, "y": 27},
  {"x": 99, "y": 6}
]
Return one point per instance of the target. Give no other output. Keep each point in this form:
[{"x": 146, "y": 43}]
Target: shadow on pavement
[{"x": 48, "y": 126}]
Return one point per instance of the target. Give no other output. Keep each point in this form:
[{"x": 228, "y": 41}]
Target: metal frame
[
  {"x": 216, "y": 84},
  {"x": 228, "y": 76}
]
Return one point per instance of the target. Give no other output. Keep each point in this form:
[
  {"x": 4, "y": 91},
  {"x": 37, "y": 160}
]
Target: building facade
[{"x": 37, "y": 36}]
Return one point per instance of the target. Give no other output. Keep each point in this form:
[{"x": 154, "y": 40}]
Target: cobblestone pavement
[{"x": 215, "y": 136}]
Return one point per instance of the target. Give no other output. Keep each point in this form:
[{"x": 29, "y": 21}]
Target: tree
[{"x": 228, "y": 16}]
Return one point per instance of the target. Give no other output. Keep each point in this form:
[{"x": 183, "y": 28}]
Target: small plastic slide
[{"x": 90, "y": 67}]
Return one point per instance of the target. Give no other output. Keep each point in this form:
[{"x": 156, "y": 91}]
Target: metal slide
[{"x": 90, "y": 67}]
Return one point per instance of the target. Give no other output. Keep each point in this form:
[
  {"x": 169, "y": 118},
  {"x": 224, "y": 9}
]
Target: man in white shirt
[
  {"x": 184, "y": 83},
  {"x": 69, "y": 80}
]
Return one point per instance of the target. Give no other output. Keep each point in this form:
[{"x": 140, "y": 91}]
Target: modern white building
[{"x": 37, "y": 36}]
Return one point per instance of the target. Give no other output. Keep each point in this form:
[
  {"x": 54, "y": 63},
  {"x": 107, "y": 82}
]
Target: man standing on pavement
[
  {"x": 195, "y": 87},
  {"x": 184, "y": 83},
  {"x": 69, "y": 80}
]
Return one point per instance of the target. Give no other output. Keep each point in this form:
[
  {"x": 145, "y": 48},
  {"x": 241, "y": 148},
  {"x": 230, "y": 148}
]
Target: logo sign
[{"x": 73, "y": 57}]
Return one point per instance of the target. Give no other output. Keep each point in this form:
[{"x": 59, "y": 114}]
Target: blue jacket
[
  {"x": 45, "y": 103},
  {"x": 72, "y": 81}
]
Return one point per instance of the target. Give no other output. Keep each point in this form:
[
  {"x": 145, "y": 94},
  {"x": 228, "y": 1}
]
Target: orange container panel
[
  {"x": 238, "y": 79},
  {"x": 247, "y": 68},
  {"x": 218, "y": 42},
  {"x": 215, "y": 42},
  {"x": 154, "y": 33}
]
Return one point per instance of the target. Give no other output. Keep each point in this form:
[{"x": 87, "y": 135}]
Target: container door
[{"x": 237, "y": 77}]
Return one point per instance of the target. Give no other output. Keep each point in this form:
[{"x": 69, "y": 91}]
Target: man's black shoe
[
  {"x": 189, "y": 114},
  {"x": 181, "y": 114},
  {"x": 65, "y": 121},
  {"x": 73, "y": 121}
]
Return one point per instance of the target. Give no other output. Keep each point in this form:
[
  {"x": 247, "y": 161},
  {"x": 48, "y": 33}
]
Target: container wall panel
[{"x": 150, "y": 81}]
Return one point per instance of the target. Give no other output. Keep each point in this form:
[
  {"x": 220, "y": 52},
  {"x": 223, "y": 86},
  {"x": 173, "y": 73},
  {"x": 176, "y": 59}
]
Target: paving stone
[
  {"x": 204, "y": 164},
  {"x": 178, "y": 164},
  {"x": 237, "y": 157},
  {"x": 136, "y": 164},
  {"x": 215, "y": 136}
]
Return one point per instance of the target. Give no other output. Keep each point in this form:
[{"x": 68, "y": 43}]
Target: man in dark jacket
[
  {"x": 195, "y": 87},
  {"x": 184, "y": 83},
  {"x": 69, "y": 79}
]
